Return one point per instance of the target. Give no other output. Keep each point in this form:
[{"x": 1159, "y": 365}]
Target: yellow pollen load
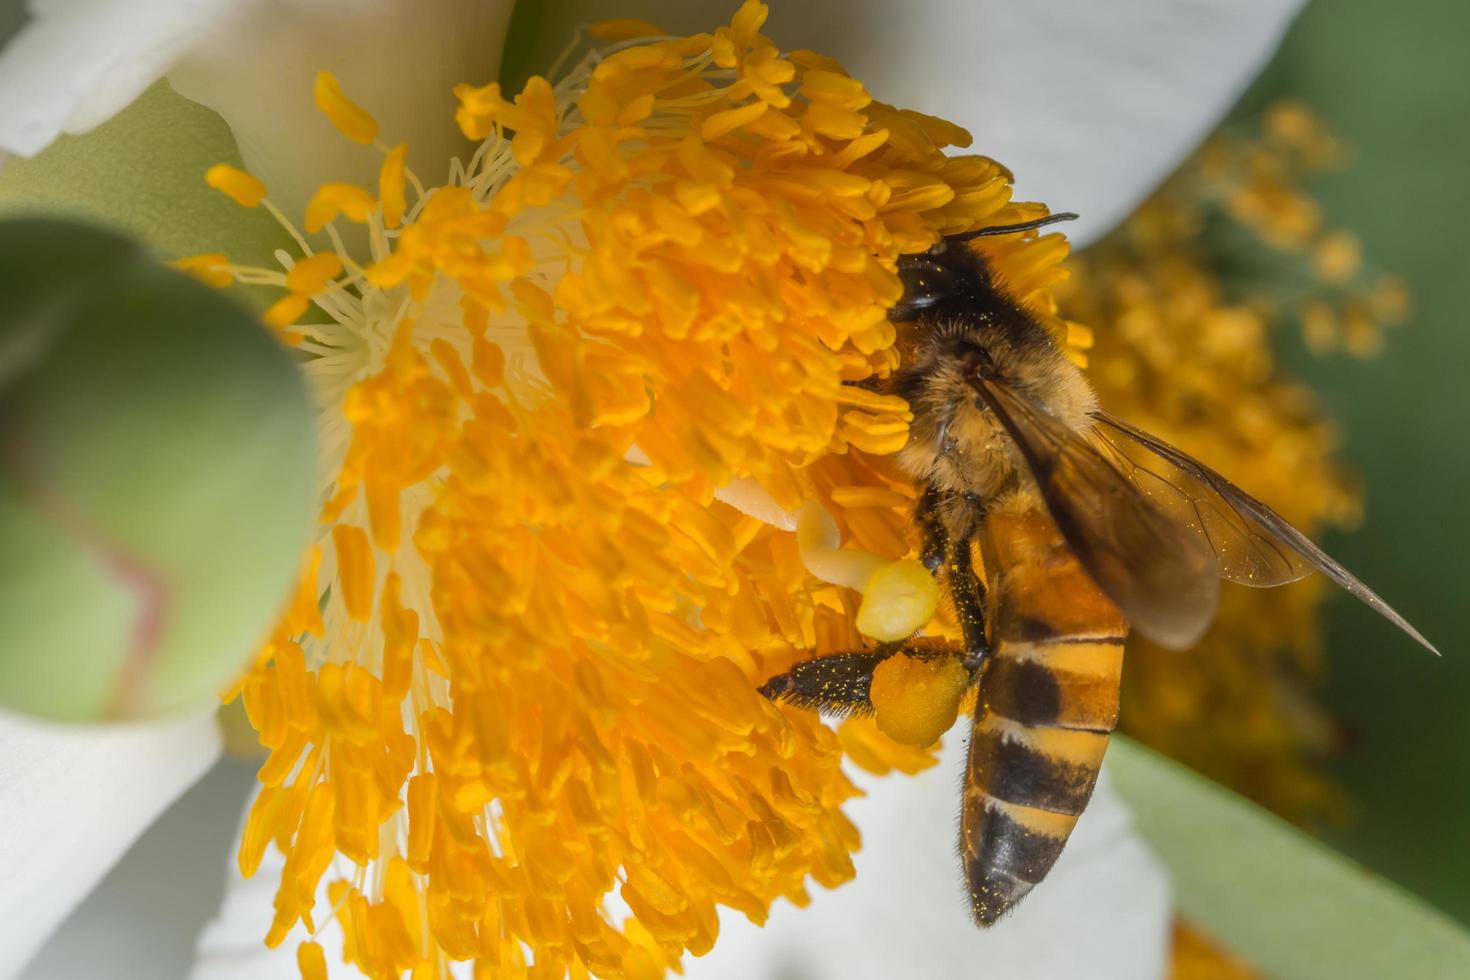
[
  {"x": 512, "y": 707},
  {"x": 915, "y": 700}
]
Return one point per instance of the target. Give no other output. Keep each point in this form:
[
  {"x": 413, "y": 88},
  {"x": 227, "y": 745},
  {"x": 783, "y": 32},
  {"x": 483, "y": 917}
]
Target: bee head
[{"x": 946, "y": 273}]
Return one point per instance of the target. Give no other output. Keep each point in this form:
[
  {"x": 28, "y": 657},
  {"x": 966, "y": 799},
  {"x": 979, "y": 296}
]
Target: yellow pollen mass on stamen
[
  {"x": 311, "y": 274},
  {"x": 241, "y": 187},
  {"x": 391, "y": 179},
  {"x": 331, "y": 200},
  {"x": 311, "y": 959},
  {"x": 349, "y": 118},
  {"x": 210, "y": 268}
]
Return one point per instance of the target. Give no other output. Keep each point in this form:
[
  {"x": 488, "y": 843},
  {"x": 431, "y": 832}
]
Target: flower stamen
[{"x": 532, "y": 677}]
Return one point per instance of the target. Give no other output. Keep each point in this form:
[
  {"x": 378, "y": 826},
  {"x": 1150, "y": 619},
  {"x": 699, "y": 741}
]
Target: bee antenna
[{"x": 1050, "y": 219}]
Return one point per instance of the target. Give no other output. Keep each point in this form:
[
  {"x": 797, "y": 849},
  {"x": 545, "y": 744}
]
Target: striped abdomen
[{"x": 1048, "y": 699}]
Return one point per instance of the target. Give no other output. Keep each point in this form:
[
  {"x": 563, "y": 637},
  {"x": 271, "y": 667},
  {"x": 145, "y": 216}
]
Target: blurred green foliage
[
  {"x": 142, "y": 173},
  {"x": 1394, "y": 82},
  {"x": 1294, "y": 908},
  {"x": 156, "y": 478}
]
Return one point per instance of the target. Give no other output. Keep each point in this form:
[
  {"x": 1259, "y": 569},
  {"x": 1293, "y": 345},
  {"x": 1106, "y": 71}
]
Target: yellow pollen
[
  {"x": 332, "y": 200},
  {"x": 311, "y": 274},
  {"x": 312, "y": 961},
  {"x": 391, "y": 181},
  {"x": 915, "y": 700},
  {"x": 898, "y": 599},
  {"x": 211, "y": 268},
  {"x": 242, "y": 188},
  {"x": 351, "y": 120}
]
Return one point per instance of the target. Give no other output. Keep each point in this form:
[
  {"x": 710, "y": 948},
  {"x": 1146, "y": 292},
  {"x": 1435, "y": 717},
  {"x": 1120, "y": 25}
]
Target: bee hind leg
[
  {"x": 952, "y": 553},
  {"x": 967, "y": 593},
  {"x": 836, "y": 684},
  {"x": 841, "y": 683}
]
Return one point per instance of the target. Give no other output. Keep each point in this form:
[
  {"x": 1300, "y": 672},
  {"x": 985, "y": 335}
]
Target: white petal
[
  {"x": 76, "y": 62},
  {"x": 397, "y": 60},
  {"x": 1090, "y": 104},
  {"x": 1102, "y": 914},
  {"x": 232, "y": 946},
  {"x": 72, "y": 800},
  {"x": 143, "y": 920}
]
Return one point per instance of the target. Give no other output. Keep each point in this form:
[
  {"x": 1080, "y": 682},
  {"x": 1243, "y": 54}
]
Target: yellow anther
[
  {"x": 479, "y": 108},
  {"x": 915, "y": 700},
  {"x": 210, "y": 268},
  {"x": 899, "y": 598},
  {"x": 331, "y": 200},
  {"x": 728, "y": 120},
  {"x": 355, "y": 560},
  {"x": 391, "y": 186},
  {"x": 285, "y": 311},
  {"x": 312, "y": 961},
  {"x": 311, "y": 275},
  {"x": 242, "y": 188},
  {"x": 350, "y": 119}
]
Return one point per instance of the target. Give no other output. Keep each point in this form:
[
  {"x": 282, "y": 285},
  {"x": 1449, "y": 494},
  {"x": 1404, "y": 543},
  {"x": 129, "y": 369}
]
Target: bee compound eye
[{"x": 926, "y": 283}]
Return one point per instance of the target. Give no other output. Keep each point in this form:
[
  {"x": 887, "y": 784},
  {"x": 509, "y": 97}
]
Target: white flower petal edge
[
  {"x": 72, "y": 800},
  {"x": 232, "y": 946},
  {"x": 397, "y": 60},
  {"x": 77, "y": 62},
  {"x": 1104, "y": 912},
  {"x": 1090, "y": 104}
]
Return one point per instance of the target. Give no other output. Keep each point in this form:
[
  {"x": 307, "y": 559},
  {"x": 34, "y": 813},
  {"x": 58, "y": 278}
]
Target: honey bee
[{"x": 1085, "y": 526}]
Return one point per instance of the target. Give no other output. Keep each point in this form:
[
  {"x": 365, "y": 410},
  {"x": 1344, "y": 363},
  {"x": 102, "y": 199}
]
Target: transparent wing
[
  {"x": 1252, "y": 543},
  {"x": 1160, "y": 573}
]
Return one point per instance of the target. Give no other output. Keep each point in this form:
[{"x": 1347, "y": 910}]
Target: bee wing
[
  {"x": 1161, "y": 574},
  {"x": 1253, "y": 544}
]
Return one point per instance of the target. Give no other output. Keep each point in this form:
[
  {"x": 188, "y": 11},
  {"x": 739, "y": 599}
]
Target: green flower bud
[{"x": 156, "y": 478}]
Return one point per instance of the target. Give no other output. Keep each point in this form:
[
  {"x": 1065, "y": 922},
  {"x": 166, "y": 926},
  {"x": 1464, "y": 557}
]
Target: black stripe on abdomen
[{"x": 1014, "y": 771}]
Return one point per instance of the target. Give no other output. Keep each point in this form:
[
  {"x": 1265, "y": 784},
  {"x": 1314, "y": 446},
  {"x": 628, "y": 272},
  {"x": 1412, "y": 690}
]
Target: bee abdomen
[
  {"x": 1007, "y": 850},
  {"x": 1048, "y": 701},
  {"x": 1026, "y": 786},
  {"x": 1067, "y": 682}
]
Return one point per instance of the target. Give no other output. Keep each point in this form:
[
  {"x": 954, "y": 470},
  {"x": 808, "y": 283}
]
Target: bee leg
[
  {"x": 940, "y": 549},
  {"x": 836, "y": 684},
  {"x": 967, "y": 593},
  {"x": 934, "y": 539}
]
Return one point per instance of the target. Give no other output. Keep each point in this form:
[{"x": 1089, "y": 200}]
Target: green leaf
[
  {"x": 1290, "y": 905},
  {"x": 156, "y": 478}
]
